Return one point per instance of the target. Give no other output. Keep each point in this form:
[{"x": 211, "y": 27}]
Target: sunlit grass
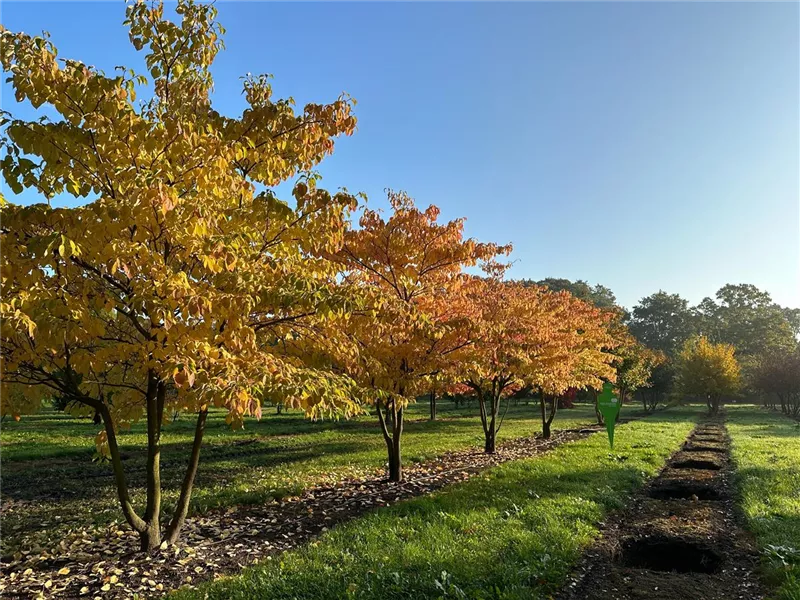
[{"x": 766, "y": 448}]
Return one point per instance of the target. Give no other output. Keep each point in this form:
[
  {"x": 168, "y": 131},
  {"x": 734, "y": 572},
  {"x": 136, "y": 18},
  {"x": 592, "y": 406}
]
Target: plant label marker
[{"x": 608, "y": 404}]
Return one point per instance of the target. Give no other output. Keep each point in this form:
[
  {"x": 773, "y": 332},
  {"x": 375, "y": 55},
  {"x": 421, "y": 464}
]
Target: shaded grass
[
  {"x": 50, "y": 484},
  {"x": 513, "y": 532},
  {"x": 766, "y": 449}
]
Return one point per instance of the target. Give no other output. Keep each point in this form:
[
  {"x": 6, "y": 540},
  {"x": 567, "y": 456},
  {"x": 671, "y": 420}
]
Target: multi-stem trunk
[
  {"x": 149, "y": 526},
  {"x": 546, "y": 402},
  {"x": 489, "y": 404},
  {"x": 433, "y": 405},
  {"x": 488, "y": 420}
]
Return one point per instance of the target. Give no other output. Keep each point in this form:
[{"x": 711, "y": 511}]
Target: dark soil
[
  {"x": 678, "y": 539},
  {"x": 103, "y": 562}
]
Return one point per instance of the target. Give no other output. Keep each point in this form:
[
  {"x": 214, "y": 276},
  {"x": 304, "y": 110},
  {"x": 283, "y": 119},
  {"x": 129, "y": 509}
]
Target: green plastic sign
[{"x": 608, "y": 404}]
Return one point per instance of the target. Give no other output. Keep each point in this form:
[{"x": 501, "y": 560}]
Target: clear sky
[{"x": 643, "y": 146}]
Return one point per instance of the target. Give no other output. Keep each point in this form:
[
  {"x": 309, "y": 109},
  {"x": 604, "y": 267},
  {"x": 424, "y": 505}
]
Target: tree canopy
[{"x": 173, "y": 285}]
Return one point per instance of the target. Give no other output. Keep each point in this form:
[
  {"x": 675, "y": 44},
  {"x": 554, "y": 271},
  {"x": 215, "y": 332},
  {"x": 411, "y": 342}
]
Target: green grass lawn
[
  {"x": 50, "y": 483},
  {"x": 513, "y": 532},
  {"x": 766, "y": 448}
]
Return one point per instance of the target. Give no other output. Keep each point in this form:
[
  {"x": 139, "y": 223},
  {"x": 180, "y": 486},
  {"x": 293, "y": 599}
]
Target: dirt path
[
  {"x": 100, "y": 563},
  {"x": 679, "y": 538}
]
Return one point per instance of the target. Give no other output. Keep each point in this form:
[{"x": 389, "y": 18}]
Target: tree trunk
[
  {"x": 396, "y": 474},
  {"x": 433, "y": 405},
  {"x": 134, "y": 520},
  {"x": 622, "y": 394},
  {"x": 545, "y": 422},
  {"x": 392, "y": 438},
  {"x": 149, "y": 526},
  {"x": 597, "y": 412},
  {"x": 182, "y": 508}
]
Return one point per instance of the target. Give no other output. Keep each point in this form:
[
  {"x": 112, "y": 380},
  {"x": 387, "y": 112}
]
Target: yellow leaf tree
[
  {"x": 172, "y": 287},
  {"x": 410, "y": 265},
  {"x": 708, "y": 370}
]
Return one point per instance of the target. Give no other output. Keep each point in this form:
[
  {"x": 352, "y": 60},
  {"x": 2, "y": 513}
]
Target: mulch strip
[
  {"x": 103, "y": 563},
  {"x": 680, "y": 537}
]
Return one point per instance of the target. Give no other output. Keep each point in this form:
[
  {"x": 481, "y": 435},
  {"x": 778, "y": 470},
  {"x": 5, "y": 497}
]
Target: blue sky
[{"x": 643, "y": 146}]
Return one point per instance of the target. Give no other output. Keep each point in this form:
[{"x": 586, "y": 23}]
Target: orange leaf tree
[
  {"x": 172, "y": 287},
  {"x": 410, "y": 265},
  {"x": 525, "y": 336}
]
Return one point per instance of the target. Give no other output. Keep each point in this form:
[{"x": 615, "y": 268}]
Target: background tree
[
  {"x": 708, "y": 370},
  {"x": 599, "y": 295},
  {"x": 747, "y": 318},
  {"x": 660, "y": 385},
  {"x": 777, "y": 374},
  {"x": 662, "y": 322},
  {"x": 171, "y": 289},
  {"x": 411, "y": 266},
  {"x": 635, "y": 368}
]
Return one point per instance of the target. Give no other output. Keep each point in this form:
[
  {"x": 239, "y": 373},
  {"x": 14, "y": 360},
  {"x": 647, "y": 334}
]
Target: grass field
[
  {"x": 766, "y": 448},
  {"x": 51, "y": 484},
  {"x": 513, "y": 532}
]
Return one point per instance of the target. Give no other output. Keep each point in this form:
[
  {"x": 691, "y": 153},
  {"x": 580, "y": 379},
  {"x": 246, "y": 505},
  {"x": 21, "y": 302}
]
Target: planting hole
[
  {"x": 703, "y": 448},
  {"x": 708, "y": 438},
  {"x": 670, "y": 554},
  {"x": 671, "y": 490},
  {"x": 697, "y": 463}
]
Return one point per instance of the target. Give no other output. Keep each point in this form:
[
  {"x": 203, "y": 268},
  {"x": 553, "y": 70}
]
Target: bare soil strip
[
  {"x": 101, "y": 563},
  {"x": 679, "y": 538}
]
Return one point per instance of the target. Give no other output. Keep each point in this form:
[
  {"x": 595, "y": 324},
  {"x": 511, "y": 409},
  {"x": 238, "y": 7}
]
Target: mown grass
[
  {"x": 51, "y": 485},
  {"x": 766, "y": 449},
  {"x": 513, "y": 532}
]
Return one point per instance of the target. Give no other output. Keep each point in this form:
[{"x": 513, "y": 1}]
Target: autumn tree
[
  {"x": 173, "y": 286},
  {"x": 708, "y": 370},
  {"x": 525, "y": 336},
  {"x": 410, "y": 266},
  {"x": 635, "y": 364}
]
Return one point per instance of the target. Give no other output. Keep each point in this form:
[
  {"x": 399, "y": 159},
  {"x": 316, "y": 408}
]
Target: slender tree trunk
[
  {"x": 715, "y": 401},
  {"x": 392, "y": 438},
  {"x": 134, "y": 520},
  {"x": 156, "y": 391},
  {"x": 553, "y": 410},
  {"x": 396, "y": 474},
  {"x": 597, "y": 412},
  {"x": 433, "y": 405},
  {"x": 545, "y": 421},
  {"x": 182, "y": 509},
  {"x": 490, "y": 446}
]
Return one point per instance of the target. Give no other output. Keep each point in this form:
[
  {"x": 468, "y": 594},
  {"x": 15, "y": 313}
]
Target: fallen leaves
[{"x": 102, "y": 562}]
